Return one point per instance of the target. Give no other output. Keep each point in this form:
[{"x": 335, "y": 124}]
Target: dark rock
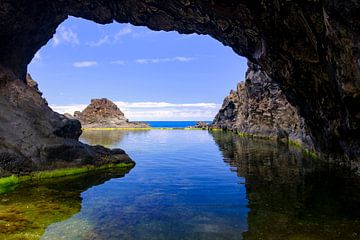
[
  {"x": 259, "y": 107},
  {"x": 33, "y": 137},
  {"x": 310, "y": 48},
  {"x": 103, "y": 113}
]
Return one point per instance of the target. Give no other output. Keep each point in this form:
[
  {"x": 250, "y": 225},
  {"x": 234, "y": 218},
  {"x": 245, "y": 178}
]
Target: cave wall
[{"x": 310, "y": 48}]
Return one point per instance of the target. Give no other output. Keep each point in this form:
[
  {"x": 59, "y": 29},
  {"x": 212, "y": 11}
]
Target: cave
[{"x": 310, "y": 49}]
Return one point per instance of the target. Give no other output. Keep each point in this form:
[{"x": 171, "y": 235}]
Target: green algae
[
  {"x": 10, "y": 183},
  {"x": 33, "y": 205}
]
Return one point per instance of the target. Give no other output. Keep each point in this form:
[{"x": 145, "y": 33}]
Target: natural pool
[{"x": 190, "y": 185}]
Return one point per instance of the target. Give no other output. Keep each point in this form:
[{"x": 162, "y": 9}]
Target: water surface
[{"x": 203, "y": 185}]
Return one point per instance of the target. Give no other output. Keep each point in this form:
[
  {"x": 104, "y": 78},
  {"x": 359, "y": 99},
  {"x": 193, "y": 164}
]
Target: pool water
[{"x": 204, "y": 185}]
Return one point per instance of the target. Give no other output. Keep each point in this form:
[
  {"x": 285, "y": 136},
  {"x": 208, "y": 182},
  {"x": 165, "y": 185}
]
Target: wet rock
[{"x": 103, "y": 113}]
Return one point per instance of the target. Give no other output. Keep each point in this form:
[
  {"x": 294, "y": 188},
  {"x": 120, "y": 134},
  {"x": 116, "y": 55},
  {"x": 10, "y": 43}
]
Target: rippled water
[{"x": 203, "y": 185}]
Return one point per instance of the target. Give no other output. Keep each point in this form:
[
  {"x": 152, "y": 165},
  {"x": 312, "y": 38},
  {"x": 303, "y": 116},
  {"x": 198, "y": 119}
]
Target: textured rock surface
[
  {"x": 310, "y": 48},
  {"x": 33, "y": 137},
  {"x": 259, "y": 107},
  {"x": 103, "y": 113}
]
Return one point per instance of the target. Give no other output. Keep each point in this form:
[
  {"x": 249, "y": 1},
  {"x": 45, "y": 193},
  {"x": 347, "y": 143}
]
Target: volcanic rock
[
  {"x": 309, "y": 48},
  {"x": 33, "y": 137},
  {"x": 103, "y": 113},
  {"x": 201, "y": 125},
  {"x": 259, "y": 107}
]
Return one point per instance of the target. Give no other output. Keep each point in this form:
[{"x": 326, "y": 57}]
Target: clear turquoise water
[{"x": 201, "y": 185}]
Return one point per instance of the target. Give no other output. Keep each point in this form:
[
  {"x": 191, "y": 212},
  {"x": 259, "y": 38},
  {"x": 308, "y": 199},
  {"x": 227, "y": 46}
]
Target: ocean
[{"x": 173, "y": 124}]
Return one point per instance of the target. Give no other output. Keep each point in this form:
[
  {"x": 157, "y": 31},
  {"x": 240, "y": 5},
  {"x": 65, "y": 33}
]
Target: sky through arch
[{"x": 151, "y": 75}]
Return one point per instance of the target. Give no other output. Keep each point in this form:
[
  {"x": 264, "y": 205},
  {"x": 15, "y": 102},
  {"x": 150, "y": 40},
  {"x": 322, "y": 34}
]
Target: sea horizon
[{"x": 173, "y": 124}]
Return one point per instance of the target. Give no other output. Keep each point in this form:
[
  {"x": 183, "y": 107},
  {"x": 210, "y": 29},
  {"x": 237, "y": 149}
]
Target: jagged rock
[
  {"x": 259, "y": 107},
  {"x": 201, "y": 125},
  {"x": 310, "y": 48},
  {"x": 33, "y": 137},
  {"x": 103, "y": 113}
]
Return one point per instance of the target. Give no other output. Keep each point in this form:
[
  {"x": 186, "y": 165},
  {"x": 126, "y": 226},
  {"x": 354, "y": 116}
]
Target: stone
[
  {"x": 103, "y": 113},
  {"x": 34, "y": 138},
  {"x": 310, "y": 49},
  {"x": 201, "y": 125},
  {"x": 259, "y": 107}
]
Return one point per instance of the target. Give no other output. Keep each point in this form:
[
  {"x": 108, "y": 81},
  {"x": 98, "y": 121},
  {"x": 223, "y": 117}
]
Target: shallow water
[{"x": 202, "y": 185}]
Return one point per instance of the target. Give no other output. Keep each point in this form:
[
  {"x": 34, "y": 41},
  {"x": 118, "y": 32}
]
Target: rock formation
[
  {"x": 33, "y": 137},
  {"x": 103, "y": 113},
  {"x": 259, "y": 107},
  {"x": 310, "y": 48},
  {"x": 201, "y": 125}
]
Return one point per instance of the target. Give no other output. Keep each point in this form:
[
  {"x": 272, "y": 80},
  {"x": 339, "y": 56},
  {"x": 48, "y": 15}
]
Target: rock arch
[{"x": 310, "y": 48}]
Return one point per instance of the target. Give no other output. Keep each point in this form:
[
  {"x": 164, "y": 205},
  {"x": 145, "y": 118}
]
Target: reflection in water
[
  {"x": 181, "y": 189},
  {"x": 27, "y": 211},
  {"x": 106, "y": 138},
  {"x": 291, "y": 196}
]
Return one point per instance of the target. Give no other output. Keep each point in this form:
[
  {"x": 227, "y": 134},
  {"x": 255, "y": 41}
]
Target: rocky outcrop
[
  {"x": 259, "y": 107},
  {"x": 33, "y": 137},
  {"x": 103, "y": 113},
  {"x": 200, "y": 125},
  {"x": 310, "y": 48}
]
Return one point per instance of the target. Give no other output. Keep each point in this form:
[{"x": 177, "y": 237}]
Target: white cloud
[
  {"x": 84, "y": 64},
  {"x": 65, "y": 35},
  {"x": 123, "y": 32},
  {"x": 163, "y": 60},
  {"x": 164, "y": 105},
  {"x": 37, "y": 56},
  {"x": 119, "y": 62},
  {"x": 101, "y": 41},
  {"x": 68, "y": 108},
  {"x": 156, "y": 110}
]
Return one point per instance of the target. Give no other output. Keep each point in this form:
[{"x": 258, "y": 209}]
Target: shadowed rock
[
  {"x": 259, "y": 107},
  {"x": 33, "y": 137}
]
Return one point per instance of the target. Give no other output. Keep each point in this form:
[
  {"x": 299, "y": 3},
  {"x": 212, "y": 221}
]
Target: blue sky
[{"x": 150, "y": 75}]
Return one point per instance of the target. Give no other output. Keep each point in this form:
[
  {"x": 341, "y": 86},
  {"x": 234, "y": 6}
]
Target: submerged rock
[
  {"x": 259, "y": 107},
  {"x": 103, "y": 113},
  {"x": 33, "y": 137}
]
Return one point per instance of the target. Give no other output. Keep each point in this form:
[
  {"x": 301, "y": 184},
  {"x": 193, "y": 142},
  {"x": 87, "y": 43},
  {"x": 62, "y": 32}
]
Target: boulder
[
  {"x": 34, "y": 138},
  {"x": 103, "y": 113}
]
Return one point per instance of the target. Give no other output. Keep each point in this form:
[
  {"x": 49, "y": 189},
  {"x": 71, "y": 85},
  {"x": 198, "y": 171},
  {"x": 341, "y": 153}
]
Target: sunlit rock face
[
  {"x": 103, "y": 113},
  {"x": 310, "y": 48},
  {"x": 259, "y": 107}
]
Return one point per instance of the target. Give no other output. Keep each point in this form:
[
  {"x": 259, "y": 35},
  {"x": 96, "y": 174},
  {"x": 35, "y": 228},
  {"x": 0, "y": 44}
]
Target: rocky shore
[
  {"x": 259, "y": 107},
  {"x": 103, "y": 113},
  {"x": 47, "y": 140}
]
